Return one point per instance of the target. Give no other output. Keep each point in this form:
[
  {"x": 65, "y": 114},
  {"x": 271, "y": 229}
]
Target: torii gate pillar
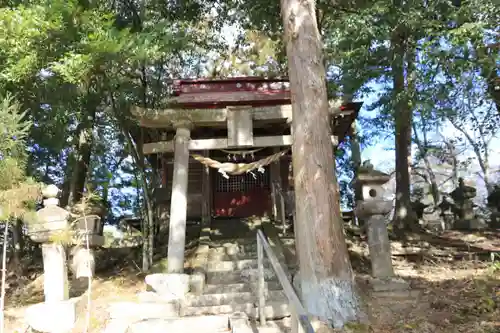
[{"x": 178, "y": 203}]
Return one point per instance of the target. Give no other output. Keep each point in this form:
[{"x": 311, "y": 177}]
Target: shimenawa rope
[{"x": 234, "y": 169}]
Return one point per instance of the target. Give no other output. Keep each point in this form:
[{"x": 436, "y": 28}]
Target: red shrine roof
[
  {"x": 214, "y": 93},
  {"x": 219, "y": 93},
  {"x": 249, "y": 91}
]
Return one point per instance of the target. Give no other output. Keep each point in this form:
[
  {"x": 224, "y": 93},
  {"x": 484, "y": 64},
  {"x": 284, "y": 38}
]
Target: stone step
[
  {"x": 231, "y": 265},
  {"x": 239, "y": 276},
  {"x": 238, "y": 287},
  {"x": 216, "y": 257},
  {"x": 205, "y": 324},
  {"x": 273, "y": 327},
  {"x": 168, "y": 286},
  {"x": 230, "y": 298},
  {"x": 240, "y": 323},
  {"x": 136, "y": 311},
  {"x": 235, "y": 247},
  {"x": 273, "y": 310}
]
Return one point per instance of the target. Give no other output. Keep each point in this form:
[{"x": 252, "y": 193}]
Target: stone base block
[
  {"x": 388, "y": 284},
  {"x": 169, "y": 286},
  {"x": 192, "y": 324},
  {"x": 132, "y": 311},
  {"x": 200, "y": 265},
  {"x": 471, "y": 224},
  {"x": 394, "y": 293},
  {"x": 239, "y": 323},
  {"x": 231, "y": 249},
  {"x": 57, "y": 317},
  {"x": 197, "y": 283}
]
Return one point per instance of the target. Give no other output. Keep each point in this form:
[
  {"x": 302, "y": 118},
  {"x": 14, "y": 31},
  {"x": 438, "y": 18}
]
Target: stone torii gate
[{"x": 207, "y": 115}]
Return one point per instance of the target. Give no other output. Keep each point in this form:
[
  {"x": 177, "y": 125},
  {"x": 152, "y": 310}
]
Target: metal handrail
[{"x": 300, "y": 318}]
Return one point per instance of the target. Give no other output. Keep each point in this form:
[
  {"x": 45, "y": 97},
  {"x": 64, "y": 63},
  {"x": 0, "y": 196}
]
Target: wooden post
[
  {"x": 282, "y": 212},
  {"x": 326, "y": 277},
  {"x": 275, "y": 170},
  {"x": 164, "y": 175},
  {"x": 356, "y": 161},
  {"x": 206, "y": 202},
  {"x": 261, "y": 282},
  {"x": 178, "y": 203}
]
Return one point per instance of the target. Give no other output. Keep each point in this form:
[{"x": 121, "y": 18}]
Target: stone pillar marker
[
  {"x": 373, "y": 208},
  {"x": 178, "y": 203}
]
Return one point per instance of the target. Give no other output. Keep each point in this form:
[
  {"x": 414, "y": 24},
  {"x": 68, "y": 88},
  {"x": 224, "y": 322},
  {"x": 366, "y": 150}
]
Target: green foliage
[
  {"x": 13, "y": 131},
  {"x": 18, "y": 194}
]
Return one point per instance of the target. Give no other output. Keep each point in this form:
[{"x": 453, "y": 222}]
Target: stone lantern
[
  {"x": 57, "y": 312},
  {"x": 373, "y": 208},
  {"x": 50, "y": 220},
  {"x": 370, "y": 184}
]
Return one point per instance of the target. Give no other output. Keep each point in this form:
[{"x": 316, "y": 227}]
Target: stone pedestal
[
  {"x": 374, "y": 213},
  {"x": 55, "y": 274},
  {"x": 169, "y": 286},
  {"x": 178, "y": 203},
  {"x": 380, "y": 247},
  {"x": 54, "y": 317}
]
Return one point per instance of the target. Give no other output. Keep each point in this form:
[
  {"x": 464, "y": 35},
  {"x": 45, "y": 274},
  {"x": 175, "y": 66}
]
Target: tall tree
[{"x": 326, "y": 277}]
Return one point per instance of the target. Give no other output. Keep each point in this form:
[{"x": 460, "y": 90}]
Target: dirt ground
[{"x": 458, "y": 280}]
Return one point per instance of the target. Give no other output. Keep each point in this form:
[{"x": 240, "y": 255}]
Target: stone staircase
[
  {"x": 231, "y": 283},
  {"x": 229, "y": 273}
]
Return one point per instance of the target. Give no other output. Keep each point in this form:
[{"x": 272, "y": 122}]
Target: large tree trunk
[
  {"x": 326, "y": 277},
  {"x": 83, "y": 154},
  {"x": 18, "y": 244},
  {"x": 404, "y": 218}
]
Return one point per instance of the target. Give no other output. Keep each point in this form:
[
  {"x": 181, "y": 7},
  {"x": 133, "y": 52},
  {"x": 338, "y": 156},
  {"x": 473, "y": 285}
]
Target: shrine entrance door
[{"x": 242, "y": 195}]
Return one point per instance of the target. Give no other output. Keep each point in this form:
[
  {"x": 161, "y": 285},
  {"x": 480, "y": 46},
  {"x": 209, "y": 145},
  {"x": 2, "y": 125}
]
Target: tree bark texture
[
  {"x": 83, "y": 154},
  {"x": 403, "y": 217},
  {"x": 327, "y": 283}
]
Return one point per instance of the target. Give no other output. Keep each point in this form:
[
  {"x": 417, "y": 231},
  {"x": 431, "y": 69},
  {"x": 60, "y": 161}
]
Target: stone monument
[
  {"x": 88, "y": 230},
  {"x": 373, "y": 208},
  {"x": 57, "y": 313},
  {"x": 446, "y": 214},
  {"x": 494, "y": 205},
  {"x": 465, "y": 218}
]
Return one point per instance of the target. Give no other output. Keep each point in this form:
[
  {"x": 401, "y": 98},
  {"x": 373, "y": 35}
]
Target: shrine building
[{"x": 222, "y": 149}]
